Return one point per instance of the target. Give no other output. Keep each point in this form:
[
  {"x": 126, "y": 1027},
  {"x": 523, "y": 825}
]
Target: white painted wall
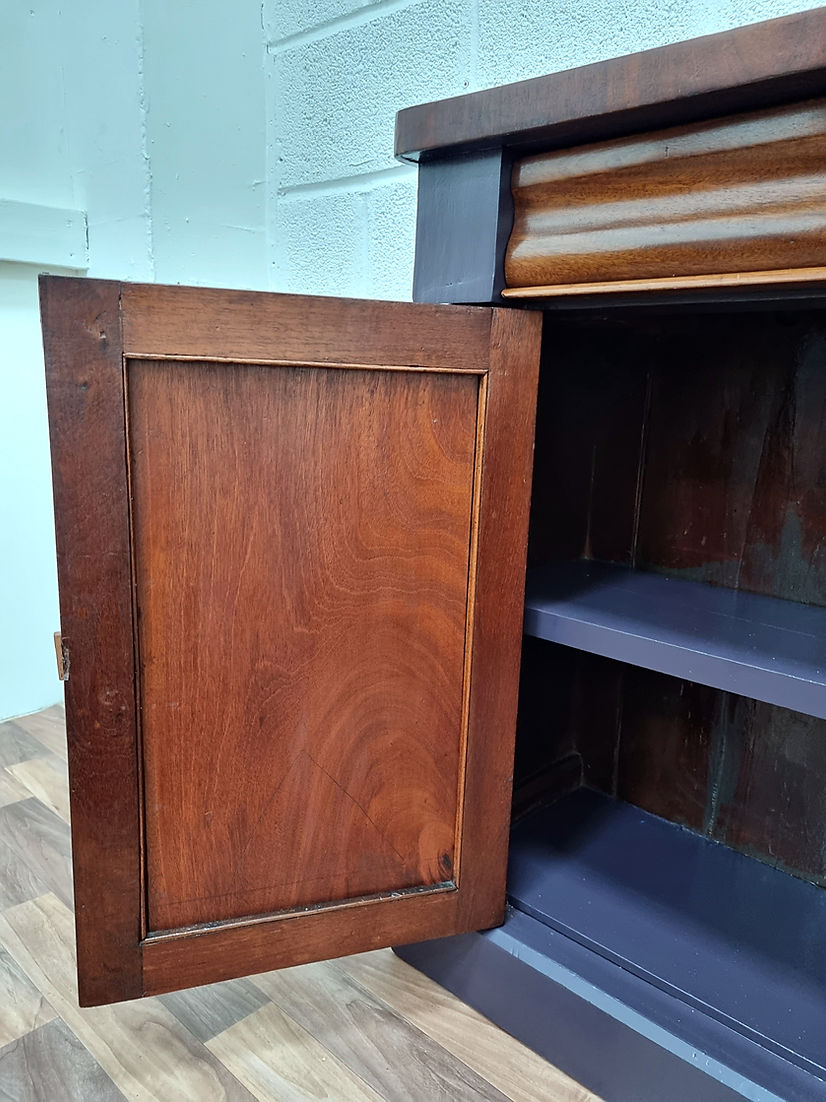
[
  {"x": 238, "y": 144},
  {"x": 70, "y": 137},
  {"x": 149, "y": 116}
]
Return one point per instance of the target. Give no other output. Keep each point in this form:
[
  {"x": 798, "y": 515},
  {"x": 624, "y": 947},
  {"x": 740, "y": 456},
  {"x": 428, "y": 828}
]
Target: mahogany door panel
[
  {"x": 291, "y": 538},
  {"x": 308, "y": 531}
]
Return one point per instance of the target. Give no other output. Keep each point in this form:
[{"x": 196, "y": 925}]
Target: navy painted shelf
[
  {"x": 761, "y": 647},
  {"x": 723, "y": 933}
]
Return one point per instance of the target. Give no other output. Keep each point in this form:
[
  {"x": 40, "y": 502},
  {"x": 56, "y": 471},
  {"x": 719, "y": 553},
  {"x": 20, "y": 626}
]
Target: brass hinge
[{"x": 62, "y": 655}]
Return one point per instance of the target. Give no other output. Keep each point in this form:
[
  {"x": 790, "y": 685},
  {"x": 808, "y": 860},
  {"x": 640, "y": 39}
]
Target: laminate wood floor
[{"x": 363, "y": 1027}]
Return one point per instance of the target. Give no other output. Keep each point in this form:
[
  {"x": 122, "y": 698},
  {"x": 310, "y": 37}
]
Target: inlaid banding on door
[{"x": 252, "y": 920}]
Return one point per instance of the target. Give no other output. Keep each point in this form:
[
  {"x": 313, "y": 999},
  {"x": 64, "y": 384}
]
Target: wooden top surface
[{"x": 760, "y": 65}]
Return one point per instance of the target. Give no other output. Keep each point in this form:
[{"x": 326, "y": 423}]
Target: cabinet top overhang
[{"x": 761, "y": 65}]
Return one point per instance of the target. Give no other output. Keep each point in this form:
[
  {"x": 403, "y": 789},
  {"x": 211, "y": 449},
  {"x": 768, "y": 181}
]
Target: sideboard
[{"x": 298, "y": 635}]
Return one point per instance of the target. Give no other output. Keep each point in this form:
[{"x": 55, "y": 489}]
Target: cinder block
[
  {"x": 547, "y": 38},
  {"x": 722, "y": 15},
  {"x": 336, "y": 99},
  {"x": 357, "y": 244},
  {"x": 319, "y": 245},
  {"x": 284, "y": 18},
  {"x": 207, "y": 140},
  {"x": 391, "y": 232}
]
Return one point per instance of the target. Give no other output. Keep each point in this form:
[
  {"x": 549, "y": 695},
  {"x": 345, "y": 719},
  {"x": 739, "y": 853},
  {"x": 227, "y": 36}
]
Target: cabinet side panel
[
  {"x": 302, "y": 545},
  {"x": 84, "y": 373}
]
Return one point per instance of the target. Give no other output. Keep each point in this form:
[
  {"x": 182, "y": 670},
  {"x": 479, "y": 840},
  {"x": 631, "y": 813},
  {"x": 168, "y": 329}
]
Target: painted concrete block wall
[
  {"x": 203, "y": 73},
  {"x": 239, "y": 144},
  {"x": 70, "y": 137}
]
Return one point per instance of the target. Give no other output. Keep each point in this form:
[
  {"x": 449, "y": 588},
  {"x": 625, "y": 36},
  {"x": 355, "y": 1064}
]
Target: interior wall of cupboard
[{"x": 688, "y": 446}]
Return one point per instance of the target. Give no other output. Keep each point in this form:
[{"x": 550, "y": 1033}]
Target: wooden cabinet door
[{"x": 291, "y": 542}]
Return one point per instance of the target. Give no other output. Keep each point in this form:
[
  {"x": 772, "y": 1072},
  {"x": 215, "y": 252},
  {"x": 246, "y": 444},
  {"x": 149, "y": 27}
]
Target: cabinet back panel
[
  {"x": 690, "y": 446},
  {"x": 734, "y": 480},
  {"x": 747, "y": 774},
  {"x": 306, "y": 531},
  {"x": 742, "y": 772}
]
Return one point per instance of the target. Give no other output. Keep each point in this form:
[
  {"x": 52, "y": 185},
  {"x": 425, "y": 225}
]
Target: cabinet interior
[
  {"x": 673, "y": 662},
  {"x": 687, "y": 446}
]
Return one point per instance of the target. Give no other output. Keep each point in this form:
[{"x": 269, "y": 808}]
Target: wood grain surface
[
  {"x": 328, "y": 509},
  {"x": 741, "y": 194},
  {"x": 251, "y": 327},
  {"x": 275, "y": 1057},
  {"x": 18, "y": 746},
  {"x": 722, "y": 286},
  {"x": 51, "y": 1063},
  {"x": 11, "y": 789},
  {"x": 500, "y": 570},
  {"x": 302, "y": 547},
  {"x": 37, "y": 841},
  {"x": 745, "y": 773},
  {"x": 49, "y": 729},
  {"x": 311, "y": 995},
  {"x": 43, "y": 777},
  {"x": 208, "y": 1011},
  {"x": 22, "y": 1006},
  {"x": 232, "y": 1041},
  {"x": 752, "y": 67},
  {"x": 690, "y": 446},
  {"x": 81, "y": 322}
]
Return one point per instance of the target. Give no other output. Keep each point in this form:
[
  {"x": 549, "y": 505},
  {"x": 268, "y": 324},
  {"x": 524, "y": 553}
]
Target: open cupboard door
[{"x": 291, "y": 544}]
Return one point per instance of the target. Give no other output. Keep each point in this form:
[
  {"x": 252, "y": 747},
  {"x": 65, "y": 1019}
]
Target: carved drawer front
[{"x": 735, "y": 201}]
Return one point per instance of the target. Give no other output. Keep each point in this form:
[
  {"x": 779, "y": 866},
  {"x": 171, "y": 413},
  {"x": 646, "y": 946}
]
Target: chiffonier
[{"x": 324, "y": 563}]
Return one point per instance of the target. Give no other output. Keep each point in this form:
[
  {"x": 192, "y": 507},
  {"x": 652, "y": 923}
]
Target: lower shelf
[
  {"x": 728, "y": 935},
  {"x": 699, "y": 973}
]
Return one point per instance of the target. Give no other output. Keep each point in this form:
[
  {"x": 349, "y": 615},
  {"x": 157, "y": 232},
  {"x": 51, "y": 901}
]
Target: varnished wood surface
[
  {"x": 252, "y": 327},
  {"x": 83, "y": 351},
  {"x": 748, "y": 774},
  {"x": 302, "y": 541},
  {"x": 240, "y": 1040},
  {"x": 789, "y": 278},
  {"x": 366, "y": 579},
  {"x": 751, "y": 67},
  {"x": 741, "y": 194},
  {"x": 500, "y": 569},
  {"x": 498, "y": 559}
]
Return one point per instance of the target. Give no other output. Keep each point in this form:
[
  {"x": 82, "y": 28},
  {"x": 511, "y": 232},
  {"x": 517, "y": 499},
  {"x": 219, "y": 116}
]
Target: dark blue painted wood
[
  {"x": 463, "y": 221},
  {"x": 768, "y": 649},
  {"x": 613, "y": 1032},
  {"x": 738, "y": 940}
]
